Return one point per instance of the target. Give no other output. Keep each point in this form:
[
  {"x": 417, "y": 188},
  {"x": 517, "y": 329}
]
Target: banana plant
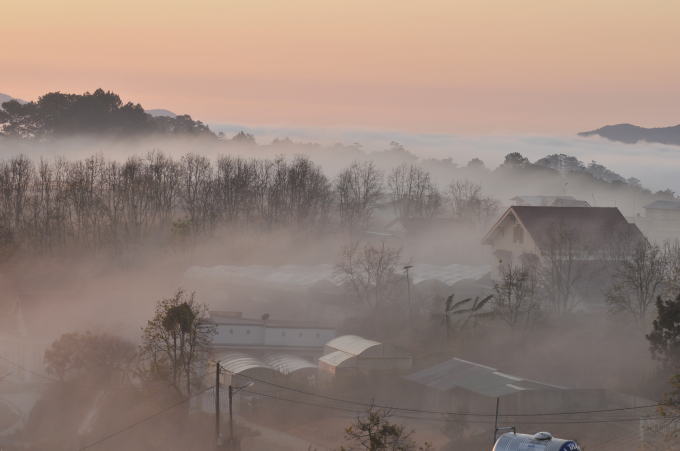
[{"x": 473, "y": 313}]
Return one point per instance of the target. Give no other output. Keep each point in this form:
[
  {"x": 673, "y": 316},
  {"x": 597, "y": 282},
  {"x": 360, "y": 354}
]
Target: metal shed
[{"x": 476, "y": 378}]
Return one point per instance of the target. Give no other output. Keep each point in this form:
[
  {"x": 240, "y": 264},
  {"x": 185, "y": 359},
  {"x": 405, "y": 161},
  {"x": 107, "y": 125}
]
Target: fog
[
  {"x": 84, "y": 284},
  {"x": 656, "y": 165}
]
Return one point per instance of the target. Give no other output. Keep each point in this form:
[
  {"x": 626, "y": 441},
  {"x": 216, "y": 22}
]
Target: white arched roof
[
  {"x": 237, "y": 362},
  {"x": 287, "y": 363},
  {"x": 351, "y": 344},
  {"x": 299, "y": 278}
]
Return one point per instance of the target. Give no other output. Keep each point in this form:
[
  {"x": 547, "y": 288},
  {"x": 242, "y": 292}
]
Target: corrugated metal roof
[
  {"x": 351, "y": 344},
  {"x": 664, "y": 205},
  {"x": 336, "y": 358},
  {"x": 287, "y": 363},
  {"x": 474, "y": 377},
  {"x": 237, "y": 362},
  {"x": 449, "y": 275}
]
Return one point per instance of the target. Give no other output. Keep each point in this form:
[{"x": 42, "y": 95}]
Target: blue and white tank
[{"x": 541, "y": 441}]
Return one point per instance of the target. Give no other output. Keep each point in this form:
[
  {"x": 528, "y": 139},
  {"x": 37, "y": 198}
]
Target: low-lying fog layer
[
  {"x": 93, "y": 266},
  {"x": 656, "y": 165}
]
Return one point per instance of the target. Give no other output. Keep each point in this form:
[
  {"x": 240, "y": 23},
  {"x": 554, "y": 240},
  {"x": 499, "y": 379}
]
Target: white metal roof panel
[
  {"x": 237, "y": 362},
  {"x": 336, "y": 358},
  {"x": 351, "y": 344},
  {"x": 287, "y": 363}
]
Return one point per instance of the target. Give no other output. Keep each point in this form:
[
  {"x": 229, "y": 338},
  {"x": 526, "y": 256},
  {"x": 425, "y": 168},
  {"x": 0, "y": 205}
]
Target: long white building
[{"x": 267, "y": 337}]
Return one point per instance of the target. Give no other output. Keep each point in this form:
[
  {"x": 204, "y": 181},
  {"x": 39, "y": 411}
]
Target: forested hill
[
  {"x": 631, "y": 134},
  {"x": 101, "y": 113}
]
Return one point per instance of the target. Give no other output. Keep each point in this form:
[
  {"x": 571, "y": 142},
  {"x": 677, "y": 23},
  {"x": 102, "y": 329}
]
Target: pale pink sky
[{"x": 454, "y": 66}]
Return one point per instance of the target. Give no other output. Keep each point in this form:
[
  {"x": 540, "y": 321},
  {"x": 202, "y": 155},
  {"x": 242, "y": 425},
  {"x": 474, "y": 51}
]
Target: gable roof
[
  {"x": 596, "y": 224},
  {"x": 664, "y": 205}
]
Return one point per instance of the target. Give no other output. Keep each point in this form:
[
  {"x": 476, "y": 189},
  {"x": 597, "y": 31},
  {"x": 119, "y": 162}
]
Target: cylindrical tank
[{"x": 541, "y": 441}]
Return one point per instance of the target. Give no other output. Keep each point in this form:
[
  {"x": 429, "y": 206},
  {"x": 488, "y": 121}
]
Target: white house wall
[
  {"x": 280, "y": 336},
  {"x": 503, "y": 240},
  {"x": 239, "y": 335}
]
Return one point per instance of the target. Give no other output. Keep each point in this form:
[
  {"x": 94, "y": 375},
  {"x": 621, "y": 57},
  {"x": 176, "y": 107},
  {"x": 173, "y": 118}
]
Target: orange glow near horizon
[{"x": 468, "y": 66}]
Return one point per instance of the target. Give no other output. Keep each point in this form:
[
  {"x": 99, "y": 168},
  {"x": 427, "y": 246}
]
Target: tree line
[
  {"x": 98, "y": 205},
  {"x": 100, "y": 113}
]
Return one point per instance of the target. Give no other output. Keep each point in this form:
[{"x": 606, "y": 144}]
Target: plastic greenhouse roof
[
  {"x": 237, "y": 362},
  {"x": 287, "y": 363},
  {"x": 335, "y": 358},
  {"x": 351, "y": 344},
  {"x": 300, "y": 278}
]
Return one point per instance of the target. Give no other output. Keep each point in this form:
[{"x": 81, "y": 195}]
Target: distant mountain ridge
[
  {"x": 631, "y": 134},
  {"x": 6, "y": 98},
  {"x": 160, "y": 112}
]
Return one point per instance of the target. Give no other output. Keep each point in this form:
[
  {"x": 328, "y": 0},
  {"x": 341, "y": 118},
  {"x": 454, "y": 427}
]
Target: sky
[{"x": 453, "y": 66}]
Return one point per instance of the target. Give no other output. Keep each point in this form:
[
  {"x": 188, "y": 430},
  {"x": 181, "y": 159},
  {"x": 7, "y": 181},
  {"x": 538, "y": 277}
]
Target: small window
[
  {"x": 283, "y": 334},
  {"x": 300, "y": 333},
  {"x": 317, "y": 335},
  {"x": 518, "y": 234},
  {"x": 231, "y": 331},
  {"x": 247, "y": 331}
]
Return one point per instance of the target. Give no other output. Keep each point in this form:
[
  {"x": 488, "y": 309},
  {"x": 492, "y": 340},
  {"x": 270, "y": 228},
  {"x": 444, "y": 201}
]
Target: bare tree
[
  {"x": 197, "y": 199},
  {"x": 563, "y": 266},
  {"x": 359, "y": 189},
  {"x": 413, "y": 192},
  {"x": 516, "y": 298},
  {"x": 468, "y": 203},
  {"x": 640, "y": 274},
  {"x": 369, "y": 274}
]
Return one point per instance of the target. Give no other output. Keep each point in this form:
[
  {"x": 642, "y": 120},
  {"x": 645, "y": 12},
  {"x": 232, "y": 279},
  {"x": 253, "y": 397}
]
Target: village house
[
  {"x": 524, "y": 230},
  {"x": 663, "y": 210},
  {"x": 567, "y": 244}
]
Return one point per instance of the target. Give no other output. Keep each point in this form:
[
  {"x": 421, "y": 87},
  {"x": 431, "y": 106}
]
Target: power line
[
  {"x": 454, "y": 413},
  {"x": 91, "y": 387},
  {"x": 617, "y": 420},
  {"x": 145, "y": 419},
  {"x": 70, "y": 383}
]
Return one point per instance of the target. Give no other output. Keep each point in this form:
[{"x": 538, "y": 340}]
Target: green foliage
[
  {"x": 179, "y": 237},
  {"x": 664, "y": 338},
  {"x": 515, "y": 160},
  {"x": 102, "y": 355},
  {"x": 176, "y": 341},
  {"x": 101, "y": 113},
  {"x": 473, "y": 313}
]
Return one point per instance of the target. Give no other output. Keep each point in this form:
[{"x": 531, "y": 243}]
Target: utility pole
[
  {"x": 217, "y": 406},
  {"x": 231, "y": 419},
  {"x": 408, "y": 289}
]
